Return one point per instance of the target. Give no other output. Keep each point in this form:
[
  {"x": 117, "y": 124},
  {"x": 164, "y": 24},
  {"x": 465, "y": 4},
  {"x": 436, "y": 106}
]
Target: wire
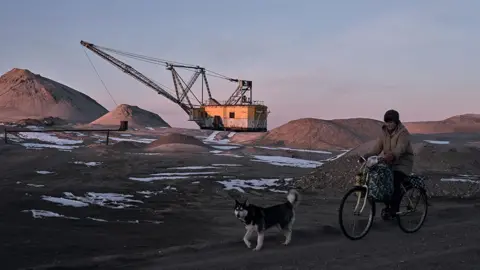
[
  {"x": 91, "y": 63},
  {"x": 159, "y": 61}
]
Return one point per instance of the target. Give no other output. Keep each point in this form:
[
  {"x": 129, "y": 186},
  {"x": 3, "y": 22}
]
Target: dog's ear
[
  {"x": 237, "y": 202},
  {"x": 246, "y": 203}
]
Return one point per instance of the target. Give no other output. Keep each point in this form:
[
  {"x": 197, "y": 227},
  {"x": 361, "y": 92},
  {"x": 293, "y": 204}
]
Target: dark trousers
[{"x": 398, "y": 178}]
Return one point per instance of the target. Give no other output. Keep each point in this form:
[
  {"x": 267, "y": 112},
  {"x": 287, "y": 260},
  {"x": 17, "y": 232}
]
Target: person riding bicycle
[{"x": 397, "y": 152}]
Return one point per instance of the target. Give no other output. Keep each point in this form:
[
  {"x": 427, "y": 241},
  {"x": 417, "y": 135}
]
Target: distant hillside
[
  {"x": 311, "y": 133},
  {"x": 458, "y": 123},
  {"x": 135, "y": 116},
  {"x": 24, "y": 94}
]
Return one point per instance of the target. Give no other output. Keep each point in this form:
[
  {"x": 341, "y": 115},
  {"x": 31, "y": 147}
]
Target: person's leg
[{"x": 398, "y": 178}]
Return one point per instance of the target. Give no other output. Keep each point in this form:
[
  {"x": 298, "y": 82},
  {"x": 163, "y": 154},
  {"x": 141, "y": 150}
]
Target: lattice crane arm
[{"x": 135, "y": 74}]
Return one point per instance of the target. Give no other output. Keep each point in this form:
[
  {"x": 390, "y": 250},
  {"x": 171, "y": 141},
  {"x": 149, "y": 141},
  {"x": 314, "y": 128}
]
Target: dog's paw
[
  {"x": 248, "y": 244},
  {"x": 286, "y": 243},
  {"x": 257, "y": 249}
]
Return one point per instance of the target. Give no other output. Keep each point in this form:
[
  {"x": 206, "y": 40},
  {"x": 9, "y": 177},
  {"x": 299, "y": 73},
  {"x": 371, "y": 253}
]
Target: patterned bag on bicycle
[
  {"x": 381, "y": 182},
  {"x": 417, "y": 181}
]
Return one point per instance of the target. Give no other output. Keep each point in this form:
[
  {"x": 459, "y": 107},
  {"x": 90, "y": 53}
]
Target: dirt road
[{"x": 449, "y": 240}]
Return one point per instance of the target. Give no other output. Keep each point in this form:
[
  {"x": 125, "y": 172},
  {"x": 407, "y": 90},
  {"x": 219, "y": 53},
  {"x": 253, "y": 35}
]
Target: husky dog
[{"x": 258, "y": 219}]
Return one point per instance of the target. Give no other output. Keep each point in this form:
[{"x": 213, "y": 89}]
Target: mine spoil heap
[
  {"x": 135, "y": 116},
  {"x": 24, "y": 94}
]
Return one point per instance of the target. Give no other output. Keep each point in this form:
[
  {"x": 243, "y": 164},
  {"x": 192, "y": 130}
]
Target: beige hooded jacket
[{"x": 398, "y": 143}]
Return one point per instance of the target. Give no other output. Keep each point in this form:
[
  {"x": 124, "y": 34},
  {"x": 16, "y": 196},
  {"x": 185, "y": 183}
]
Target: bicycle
[{"x": 368, "y": 189}]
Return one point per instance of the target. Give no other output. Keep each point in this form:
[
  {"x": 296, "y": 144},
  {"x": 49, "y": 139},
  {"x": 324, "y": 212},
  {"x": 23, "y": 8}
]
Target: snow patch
[
  {"x": 227, "y": 165},
  {"x": 294, "y": 149},
  {"x": 437, "y": 142},
  {"x": 35, "y": 185},
  {"x": 88, "y": 164},
  {"x": 259, "y": 184},
  {"x": 192, "y": 168},
  {"x": 49, "y": 138},
  {"x": 64, "y": 201},
  {"x": 287, "y": 161},
  {"x": 225, "y": 147},
  {"x": 44, "y": 172},
  {"x": 44, "y": 214}
]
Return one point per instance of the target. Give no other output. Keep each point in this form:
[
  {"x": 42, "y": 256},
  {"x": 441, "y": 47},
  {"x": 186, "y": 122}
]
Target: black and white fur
[{"x": 259, "y": 219}]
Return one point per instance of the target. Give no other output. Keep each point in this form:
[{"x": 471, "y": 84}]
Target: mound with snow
[
  {"x": 135, "y": 116},
  {"x": 311, "y": 133},
  {"x": 431, "y": 160},
  {"x": 24, "y": 94},
  {"x": 173, "y": 142}
]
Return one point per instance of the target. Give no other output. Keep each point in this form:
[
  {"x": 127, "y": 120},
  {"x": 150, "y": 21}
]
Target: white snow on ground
[
  {"x": 294, "y": 149},
  {"x": 211, "y": 137},
  {"x": 173, "y": 176},
  {"x": 97, "y": 219},
  {"x": 126, "y": 135},
  {"x": 65, "y": 202},
  {"x": 287, "y": 161},
  {"x": 139, "y": 140},
  {"x": 35, "y": 128},
  {"x": 229, "y": 155},
  {"x": 149, "y": 128},
  {"x": 35, "y": 185},
  {"x": 192, "y": 168},
  {"x": 43, "y": 214},
  {"x": 148, "y": 194},
  {"x": 437, "y": 142},
  {"x": 339, "y": 155},
  {"x": 225, "y": 147},
  {"x": 88, "y": 164},
  {"x": 216, "y": 151},
  {"x": 462, "y": 180},
  {"x": 110, "y": 200},
  {"x": 44, "y": 172},
  {"x": 195, "y": 182},
  {"x": 183, "y": 173},
  {"x": 76, "y": 133},
  {"x": 231, "y": 134},
  {"x": 259, "y": 184},
  {"x": 39, "y": 146},
  {"x": 227, "y": 165},
  {"x": 49, "y": 138}
]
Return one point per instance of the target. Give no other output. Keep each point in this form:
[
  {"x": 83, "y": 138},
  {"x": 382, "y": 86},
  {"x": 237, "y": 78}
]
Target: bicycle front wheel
[
  {"x": 413, "y": 210},
  {"x": 356, "y": 202}
]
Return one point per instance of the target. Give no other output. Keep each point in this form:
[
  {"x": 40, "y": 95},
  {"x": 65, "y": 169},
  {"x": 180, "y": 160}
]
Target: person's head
[{"x": 391, "y": 119}]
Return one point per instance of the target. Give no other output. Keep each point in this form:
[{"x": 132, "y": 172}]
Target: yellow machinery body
[{"x": 251, "y": 117}]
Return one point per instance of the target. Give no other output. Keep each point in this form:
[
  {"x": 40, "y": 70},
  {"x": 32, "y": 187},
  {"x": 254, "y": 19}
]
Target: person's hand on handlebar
[{"x": 388, "y": 157}]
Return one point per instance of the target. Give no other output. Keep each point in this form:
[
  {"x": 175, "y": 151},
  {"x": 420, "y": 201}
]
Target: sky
[{"x": 306, "y": 58}]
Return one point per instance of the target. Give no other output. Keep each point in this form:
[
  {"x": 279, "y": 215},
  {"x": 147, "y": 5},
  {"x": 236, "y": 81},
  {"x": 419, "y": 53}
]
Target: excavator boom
[{"x": 135, "y": 74}]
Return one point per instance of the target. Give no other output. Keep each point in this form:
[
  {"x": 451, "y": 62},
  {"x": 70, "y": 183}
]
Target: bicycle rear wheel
[
  {"x": 362, "y": 205},
  {"x": 414, "y": 203}
]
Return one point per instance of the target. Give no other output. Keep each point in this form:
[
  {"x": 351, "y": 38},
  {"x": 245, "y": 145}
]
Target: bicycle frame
[{"x": 367, "y": 190}]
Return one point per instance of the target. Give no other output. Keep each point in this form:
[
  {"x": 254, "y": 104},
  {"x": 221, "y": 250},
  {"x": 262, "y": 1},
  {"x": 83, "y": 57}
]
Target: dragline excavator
[{"x": 238, "y": 113}]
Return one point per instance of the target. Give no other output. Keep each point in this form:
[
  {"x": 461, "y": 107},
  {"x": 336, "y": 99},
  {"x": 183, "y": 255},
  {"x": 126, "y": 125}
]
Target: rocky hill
[
  {"x": 24, "y": 94},
  {"x": 458, "y": 123},
  {"x": 311, "y": 133},
  {"x": 135, "y": 116}
]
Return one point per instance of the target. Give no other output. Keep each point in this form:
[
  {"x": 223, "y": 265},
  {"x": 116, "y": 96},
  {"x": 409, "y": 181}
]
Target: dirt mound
[
  {"x": 27, "y": 95},
  {"x": 311, "y": 133},
  {"x": 431, "y": 160},
  {"x": 125, "y": 145},
  {"x": 135, "y": 116},
  {"x": 177, "y": 142},
  {"x": 458, "y": 123},
  {"x": 47, "y": 121}
]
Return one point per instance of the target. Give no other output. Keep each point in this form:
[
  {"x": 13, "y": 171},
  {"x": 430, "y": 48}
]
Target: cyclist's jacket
[{"x": 398, "y": 143}]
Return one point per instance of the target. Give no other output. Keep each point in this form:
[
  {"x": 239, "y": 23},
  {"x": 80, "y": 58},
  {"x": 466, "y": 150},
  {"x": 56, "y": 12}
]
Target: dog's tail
[{"x": 293, "y": 197}]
